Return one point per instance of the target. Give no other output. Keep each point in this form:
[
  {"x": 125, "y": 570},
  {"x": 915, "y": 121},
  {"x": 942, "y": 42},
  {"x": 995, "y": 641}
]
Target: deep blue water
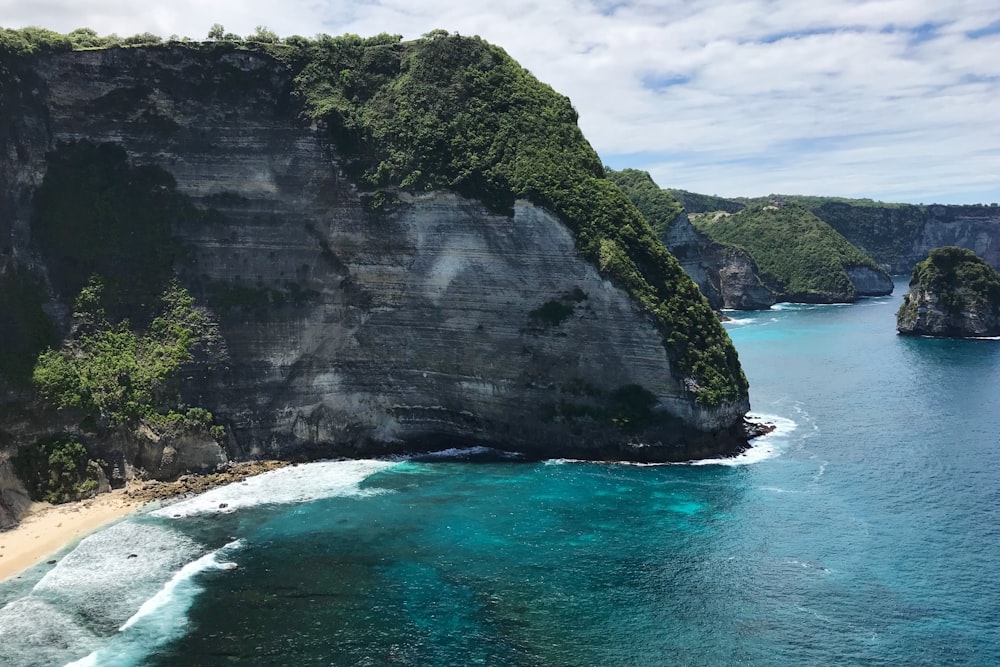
[{"x": 865, "y": 532}]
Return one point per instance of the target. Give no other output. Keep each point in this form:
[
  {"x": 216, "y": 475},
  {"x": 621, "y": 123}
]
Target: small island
[{"x": 953, "y": 293}]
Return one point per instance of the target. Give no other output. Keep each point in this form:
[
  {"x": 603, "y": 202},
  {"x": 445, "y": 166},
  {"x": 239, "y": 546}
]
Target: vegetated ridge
[
  {"x": 895, "y": 235},
  {"x": 726, "y": 274}
]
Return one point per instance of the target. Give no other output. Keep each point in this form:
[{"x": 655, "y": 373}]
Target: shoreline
[{"x": 47, "y": 529}]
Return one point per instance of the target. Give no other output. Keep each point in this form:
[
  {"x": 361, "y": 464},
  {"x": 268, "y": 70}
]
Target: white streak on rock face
[{"x": 446, "y": 268}]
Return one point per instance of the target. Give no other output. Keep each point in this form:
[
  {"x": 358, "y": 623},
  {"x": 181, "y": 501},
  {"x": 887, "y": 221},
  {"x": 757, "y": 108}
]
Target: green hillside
[{"x": 802, "y": 255}]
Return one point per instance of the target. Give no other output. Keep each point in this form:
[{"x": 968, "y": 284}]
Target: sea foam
[
  {"x": 36, "y": 632},
  {"x": 162, "y": 618},
  {"x": 292, "y": 484},
  {"x": 110, "y": 573},
  {"x": 467, "y": 454},
  {"x": 761, "y": 448}
]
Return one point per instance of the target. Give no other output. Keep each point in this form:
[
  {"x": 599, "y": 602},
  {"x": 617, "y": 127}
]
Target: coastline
[{"x": 47, "y": 529}]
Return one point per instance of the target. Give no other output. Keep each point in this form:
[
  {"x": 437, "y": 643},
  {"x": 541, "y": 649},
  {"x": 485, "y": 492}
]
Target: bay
[{"x": 865, "y": 531}]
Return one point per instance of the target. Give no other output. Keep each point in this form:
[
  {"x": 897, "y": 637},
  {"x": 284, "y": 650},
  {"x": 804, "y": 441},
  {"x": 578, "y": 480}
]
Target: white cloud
[{"x": 883, "y": 98}]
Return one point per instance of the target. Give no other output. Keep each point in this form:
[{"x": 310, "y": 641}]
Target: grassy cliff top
[
  {"x": 452, "y": 112},
  {"x": 792, "y": 246}
]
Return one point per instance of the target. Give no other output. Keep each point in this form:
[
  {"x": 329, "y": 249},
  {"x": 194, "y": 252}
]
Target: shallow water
[{"x": 865, "y": 531}]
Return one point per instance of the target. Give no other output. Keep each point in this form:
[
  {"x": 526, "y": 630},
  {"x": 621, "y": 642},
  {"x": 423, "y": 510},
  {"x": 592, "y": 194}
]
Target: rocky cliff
[
  {"x": 727, "y": 275},
  {"x": 353, "y": 313},
  {"x": 952, "y": 293}
]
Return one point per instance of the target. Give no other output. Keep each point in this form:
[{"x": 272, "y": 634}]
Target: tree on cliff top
[
  {"x": 951, "y": 268},
  {"x": 658, "y": 206}
]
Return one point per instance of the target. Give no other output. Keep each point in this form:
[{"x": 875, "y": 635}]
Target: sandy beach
[{"x": 49, "y": 528}]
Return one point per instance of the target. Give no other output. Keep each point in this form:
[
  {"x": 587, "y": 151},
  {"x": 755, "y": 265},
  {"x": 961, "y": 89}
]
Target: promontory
[{"x": 339, "y": 246}]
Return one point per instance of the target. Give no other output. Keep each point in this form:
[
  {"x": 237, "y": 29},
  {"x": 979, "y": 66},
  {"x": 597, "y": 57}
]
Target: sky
[{"x": 896, "y": 100}]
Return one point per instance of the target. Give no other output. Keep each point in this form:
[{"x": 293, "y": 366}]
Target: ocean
[{"x": 864, "y": 531}]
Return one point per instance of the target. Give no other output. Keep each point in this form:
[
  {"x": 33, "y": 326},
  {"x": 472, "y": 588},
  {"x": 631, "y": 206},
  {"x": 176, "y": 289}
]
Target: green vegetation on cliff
[
  {"x": 950, "y": 268},
  {"x": 658, "y": 206},
  {"x": 57, "y": 470},
  {"x": 114, "y": 374},
  {"x": 105, "y": 227},
  {"x": 803, "y": 255},
  {"x": 884, "y": 231}
]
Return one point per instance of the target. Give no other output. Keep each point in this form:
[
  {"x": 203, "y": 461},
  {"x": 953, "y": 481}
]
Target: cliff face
[
  {"x": 344, "y": 328},
  {"x": 726, "y": 275},
  {"x": 899, "y": 236},
  {"x": 952, "y": 293},
  {"x": 740, "y": 285},
  {"x": 868, "y": 281}
]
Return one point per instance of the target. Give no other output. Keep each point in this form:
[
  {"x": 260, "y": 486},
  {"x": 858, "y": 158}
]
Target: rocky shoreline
[
  {"x": 755, "y": 429},
  {"x": 196, "y": 483}
]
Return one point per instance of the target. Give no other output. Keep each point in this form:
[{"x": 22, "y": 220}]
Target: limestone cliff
[
  {"x": 952, "y": 293},
  {"x": 354, "y": 317},
  {"x": 727, "y": 275}
]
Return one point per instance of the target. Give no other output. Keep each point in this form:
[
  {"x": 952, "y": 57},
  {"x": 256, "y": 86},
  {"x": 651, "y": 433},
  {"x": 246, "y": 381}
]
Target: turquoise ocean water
[{"x": 865, "y": 531}]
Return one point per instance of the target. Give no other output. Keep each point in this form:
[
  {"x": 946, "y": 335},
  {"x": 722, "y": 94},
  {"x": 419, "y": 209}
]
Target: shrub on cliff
[
  {"x": 57, "y": 470},
  {"x": 115, "y": 374}
]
